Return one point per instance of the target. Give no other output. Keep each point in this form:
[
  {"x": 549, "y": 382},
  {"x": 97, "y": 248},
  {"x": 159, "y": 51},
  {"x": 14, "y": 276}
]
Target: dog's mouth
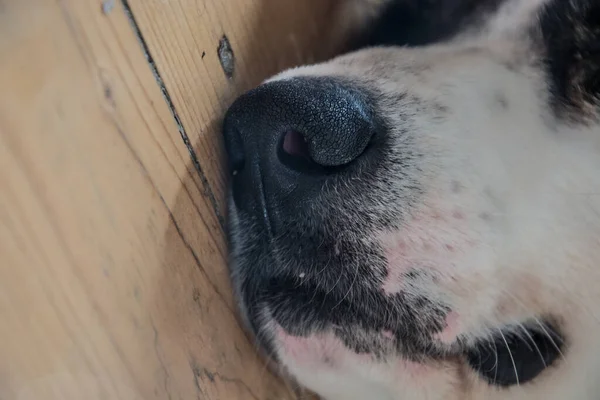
[{"x": 509, "y": 356}]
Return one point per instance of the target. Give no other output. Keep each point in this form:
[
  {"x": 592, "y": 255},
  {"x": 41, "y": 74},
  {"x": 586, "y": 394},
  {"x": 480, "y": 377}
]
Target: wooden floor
[{"x": 113, "y": 282}]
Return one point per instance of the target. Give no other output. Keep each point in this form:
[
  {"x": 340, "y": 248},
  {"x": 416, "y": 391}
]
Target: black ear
[
  {"x": 570, "y": 34},
  {"x": 423, "y": 22}
]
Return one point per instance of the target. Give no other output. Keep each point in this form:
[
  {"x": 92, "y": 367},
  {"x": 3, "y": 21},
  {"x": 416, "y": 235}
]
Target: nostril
[
  {"x": 293, "y": 152},
  {"x": 295, "y": 144},
  {"x": 236, "y": 161}
]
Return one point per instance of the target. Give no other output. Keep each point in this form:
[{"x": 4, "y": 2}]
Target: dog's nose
[{"x": 295, "y": 133}]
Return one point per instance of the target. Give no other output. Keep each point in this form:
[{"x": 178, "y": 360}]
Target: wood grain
[
  {"x": 266, "y": 36},
  {"x": 112, "y": 260}
]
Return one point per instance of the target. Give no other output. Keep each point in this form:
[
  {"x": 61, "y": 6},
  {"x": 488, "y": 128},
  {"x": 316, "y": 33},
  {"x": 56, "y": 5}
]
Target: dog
[{"x": 419, "y": 217}]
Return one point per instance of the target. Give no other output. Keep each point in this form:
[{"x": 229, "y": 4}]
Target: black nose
[{"x": 292, "y": 134}]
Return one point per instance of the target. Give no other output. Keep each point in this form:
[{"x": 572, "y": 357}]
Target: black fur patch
[
  {"x": 570, "y": 37},
  {"x": 335, "y": 283},
  {"x": 422, "y": 22},
  {"x": 516, "y": 357}
]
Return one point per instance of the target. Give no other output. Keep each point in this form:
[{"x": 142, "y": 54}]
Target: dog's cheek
[
  {"x": 446, "y": 252},
  {"x": 431, "y": 244}
]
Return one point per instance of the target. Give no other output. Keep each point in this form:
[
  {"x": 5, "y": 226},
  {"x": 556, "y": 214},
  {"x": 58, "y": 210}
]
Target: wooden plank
[
  {"x": 266, "y": 36},
  {"x": 112, "y": 278}
]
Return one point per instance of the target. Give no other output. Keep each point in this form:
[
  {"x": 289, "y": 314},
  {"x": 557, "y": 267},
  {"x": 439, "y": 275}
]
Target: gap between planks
[{"x": 167, "y": 97}]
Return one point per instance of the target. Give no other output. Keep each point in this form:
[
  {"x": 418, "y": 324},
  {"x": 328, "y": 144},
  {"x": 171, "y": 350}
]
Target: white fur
[{"x": 522, "y": 230}]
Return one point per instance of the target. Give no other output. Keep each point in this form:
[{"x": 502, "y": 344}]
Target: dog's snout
[{"x": 296, "y": 132}]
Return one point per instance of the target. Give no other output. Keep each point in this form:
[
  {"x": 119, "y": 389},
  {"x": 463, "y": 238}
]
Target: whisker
[
  {"x": 534, "y": 344},
  {"x": 492, "y": 341},
  {"x": 541, "y": 325},
  {"x": 512, "y": 359},
  {"x": 496, "y": 361},
  {"x": 520, "y": 336},
  {"x": 351, "y": 286}
]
